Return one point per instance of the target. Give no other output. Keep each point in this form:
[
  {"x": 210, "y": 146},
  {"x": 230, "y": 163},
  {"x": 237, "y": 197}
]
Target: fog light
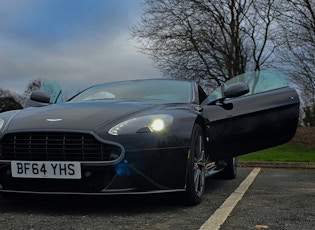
[{"x": 122, "y": 169}]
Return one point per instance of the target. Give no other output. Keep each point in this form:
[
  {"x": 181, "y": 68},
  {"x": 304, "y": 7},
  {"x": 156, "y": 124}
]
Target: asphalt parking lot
[{"x": 277, "y": 199}]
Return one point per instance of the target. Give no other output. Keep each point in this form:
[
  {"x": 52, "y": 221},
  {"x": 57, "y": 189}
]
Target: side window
[
  {"x": 258, "y": 82},
  {"x": 54, "y": 90}
]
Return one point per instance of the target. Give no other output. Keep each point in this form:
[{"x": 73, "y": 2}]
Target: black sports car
[{"x": 143, "y": 136}]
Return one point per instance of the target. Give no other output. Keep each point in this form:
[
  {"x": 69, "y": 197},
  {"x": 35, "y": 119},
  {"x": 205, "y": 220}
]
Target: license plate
[{"x": 46, "y": 169}]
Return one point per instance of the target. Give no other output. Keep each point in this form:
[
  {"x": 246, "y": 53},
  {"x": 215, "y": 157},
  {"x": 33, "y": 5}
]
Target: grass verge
[{"x": 289, "y": 152}]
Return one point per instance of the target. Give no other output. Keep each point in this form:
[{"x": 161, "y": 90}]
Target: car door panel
[{"x": 250, "y": 123}]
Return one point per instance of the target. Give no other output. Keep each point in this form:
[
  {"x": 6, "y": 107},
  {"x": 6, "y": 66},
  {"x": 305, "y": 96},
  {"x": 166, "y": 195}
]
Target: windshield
[
  {"x": 258, "y": 82},
  {"x": 161, "y": 91}
]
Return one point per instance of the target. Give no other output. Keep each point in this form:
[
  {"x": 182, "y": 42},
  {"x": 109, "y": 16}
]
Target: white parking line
[{"x": 218, "y": 218}]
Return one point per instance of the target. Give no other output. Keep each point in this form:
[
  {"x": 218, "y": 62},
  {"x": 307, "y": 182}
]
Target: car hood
[{"x": 74, "y": 116}]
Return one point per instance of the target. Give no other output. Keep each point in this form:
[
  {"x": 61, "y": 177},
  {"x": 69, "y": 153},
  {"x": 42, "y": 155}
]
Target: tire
[
  {"x": 195, "y": 183},
  {"x": 230, "y": 170}
]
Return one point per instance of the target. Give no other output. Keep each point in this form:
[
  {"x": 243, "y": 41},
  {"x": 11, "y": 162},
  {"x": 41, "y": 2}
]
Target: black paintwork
[
  {"x": 252, "y": 123},
  {"x": 154, "y": 161}
]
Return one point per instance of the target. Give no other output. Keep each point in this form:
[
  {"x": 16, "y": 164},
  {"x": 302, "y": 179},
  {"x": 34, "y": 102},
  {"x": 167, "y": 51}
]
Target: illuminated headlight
[
  {"x": 151, "y": 123},
  {"x": 1, "y": 123}
]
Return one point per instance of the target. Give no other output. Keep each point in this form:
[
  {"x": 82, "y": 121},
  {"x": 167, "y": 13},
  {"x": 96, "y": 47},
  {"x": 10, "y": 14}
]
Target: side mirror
[
  {"x": 37, "y": 99},
  {"x": 236, "y": 90},
  {"x": 40, "y": 96}
]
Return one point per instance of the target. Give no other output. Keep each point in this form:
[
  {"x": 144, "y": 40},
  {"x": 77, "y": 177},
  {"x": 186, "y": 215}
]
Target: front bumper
[{"x": 145, "y": 171}]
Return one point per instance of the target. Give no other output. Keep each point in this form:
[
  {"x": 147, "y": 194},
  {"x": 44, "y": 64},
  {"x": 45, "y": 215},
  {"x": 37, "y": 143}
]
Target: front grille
[{"x": 54, "y": 146}]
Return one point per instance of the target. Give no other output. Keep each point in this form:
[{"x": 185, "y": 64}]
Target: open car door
[{"x": 252, "y": 111}]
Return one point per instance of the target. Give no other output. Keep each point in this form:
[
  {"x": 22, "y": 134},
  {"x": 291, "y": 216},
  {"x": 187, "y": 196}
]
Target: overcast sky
[{"x": 79, "y": 43}]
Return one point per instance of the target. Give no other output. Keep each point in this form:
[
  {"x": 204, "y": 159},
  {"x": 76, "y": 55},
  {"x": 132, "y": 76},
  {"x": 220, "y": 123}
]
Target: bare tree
[
  {"x": 5, "y": 93},
  {"x": 262, "y": 37},
  {"x": 9, "y": 103},
  {"x": 209, "y": 41},
  {"x": 33, "y": 85},
  {"x": 298, "y": 27},
  {"x": 9, "y": 100}
]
